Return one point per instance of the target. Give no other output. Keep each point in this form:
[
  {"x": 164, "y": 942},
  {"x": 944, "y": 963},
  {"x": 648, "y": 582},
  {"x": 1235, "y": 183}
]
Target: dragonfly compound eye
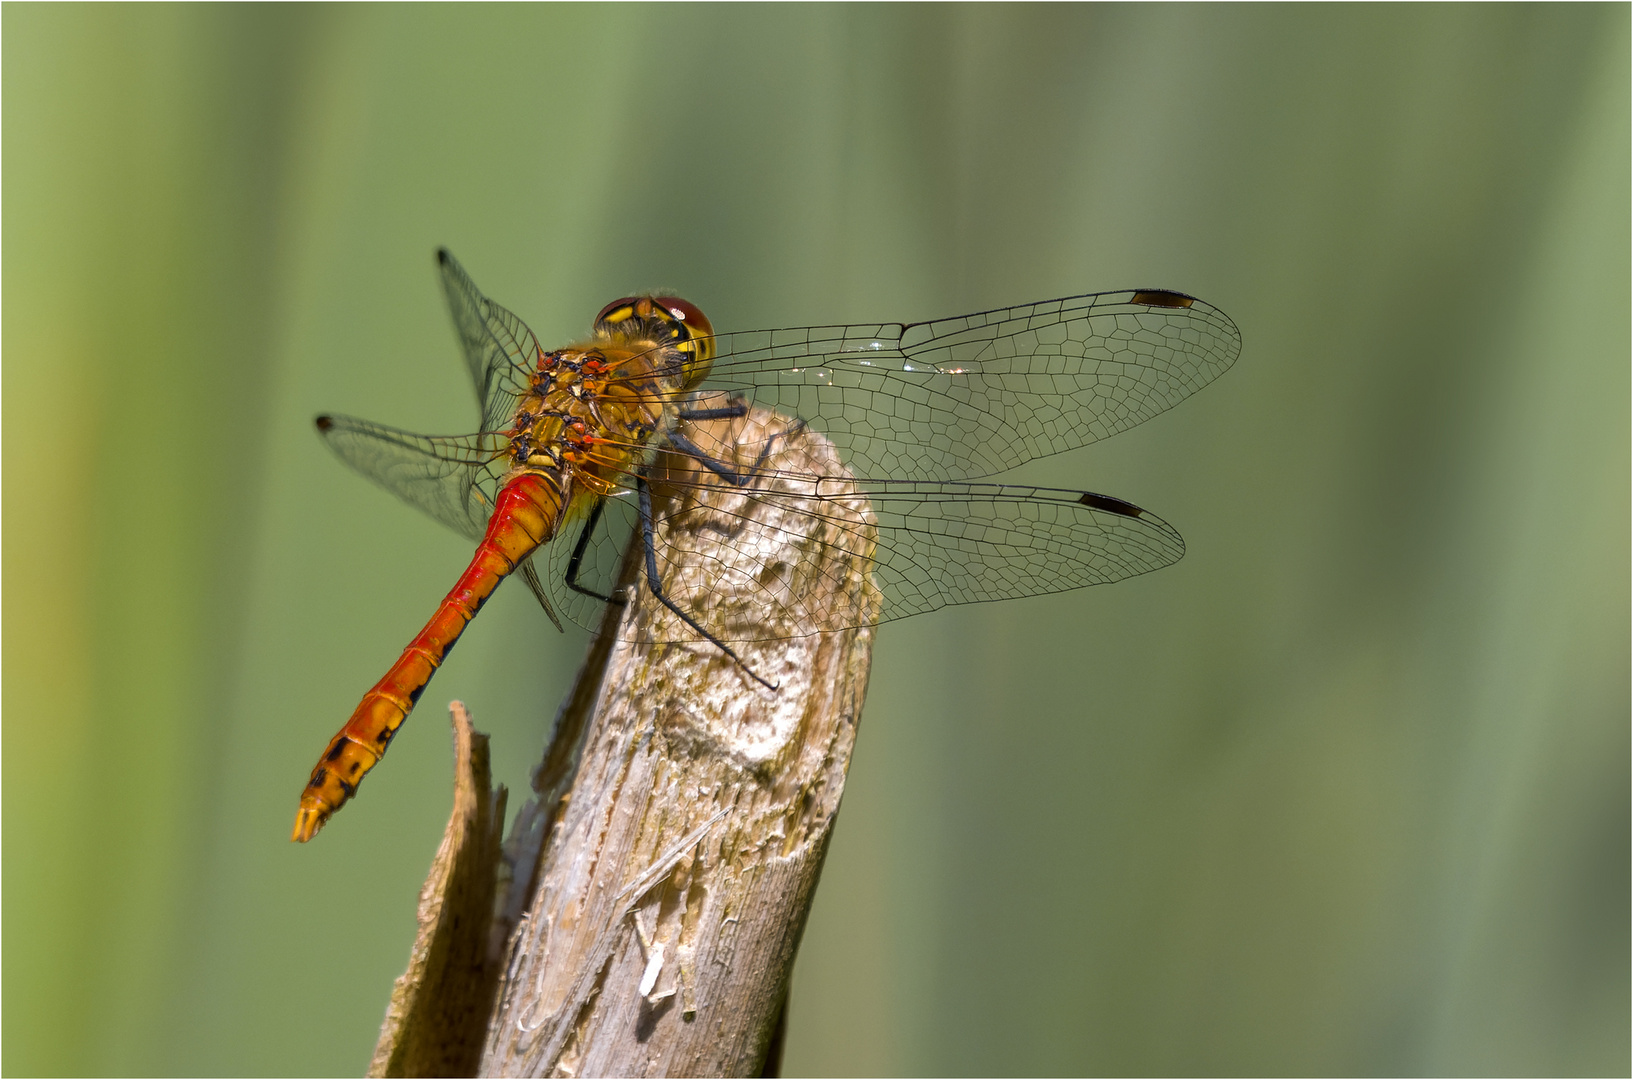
[
  {"x": 696, "y": 336},
  {"x": 619, "y": 311},
  {"x": 668, "y": 320}
]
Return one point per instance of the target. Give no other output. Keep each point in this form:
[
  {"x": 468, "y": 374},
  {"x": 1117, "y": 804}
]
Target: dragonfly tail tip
[{"x": 307, "y": 824}]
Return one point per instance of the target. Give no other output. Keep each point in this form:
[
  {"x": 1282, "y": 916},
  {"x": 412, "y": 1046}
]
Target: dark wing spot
[
  {"x": 324, "y": 423},
  {"x": 1161, "y": 298},
  {"x": 1109, "y": 504}
]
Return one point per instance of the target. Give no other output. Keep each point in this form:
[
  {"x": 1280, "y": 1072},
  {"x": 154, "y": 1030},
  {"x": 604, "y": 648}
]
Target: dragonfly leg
[
  {"x": 730, "y": 475},
  {"x": 655, "y": 583},
  {"x": 737, "y": 408},
  {"x": 577, "y": 559}
]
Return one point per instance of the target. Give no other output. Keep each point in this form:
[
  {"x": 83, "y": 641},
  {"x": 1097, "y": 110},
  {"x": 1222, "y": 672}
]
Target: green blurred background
[{"x": 1345, "y": 791}]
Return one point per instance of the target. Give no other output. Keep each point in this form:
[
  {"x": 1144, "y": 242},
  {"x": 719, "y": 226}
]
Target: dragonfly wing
[
  {"x": 579, "y": 570},
  {"x": 946, "y": 544},
  {"x": 928, "y": 545},
  {"x": 530, "y": 574},
  {"x": 978, "y": 394},
  {"x": 452, "y": 479},
  {"x": 499, "y": 349}
]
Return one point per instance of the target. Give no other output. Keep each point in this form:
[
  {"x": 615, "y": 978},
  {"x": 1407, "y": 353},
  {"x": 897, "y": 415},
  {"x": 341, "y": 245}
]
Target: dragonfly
[{"x": 557, "y": 482}]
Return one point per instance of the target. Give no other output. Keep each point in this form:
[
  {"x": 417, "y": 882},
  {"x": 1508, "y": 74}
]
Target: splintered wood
[
  {"x": 440, "y": 1004},
  {"x": 659, "y": 883}
]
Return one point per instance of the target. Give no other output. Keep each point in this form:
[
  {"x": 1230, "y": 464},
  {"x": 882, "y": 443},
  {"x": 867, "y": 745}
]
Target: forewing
[
  {"x": 978, "y": 394},
  {"x": 499, "y": 349},
  {"x": 452, "y": 479}
]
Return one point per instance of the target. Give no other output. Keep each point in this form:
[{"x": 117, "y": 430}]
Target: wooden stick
[
  {"x": 660, "y": 882},
  {"x": 439, "y": 1006}
]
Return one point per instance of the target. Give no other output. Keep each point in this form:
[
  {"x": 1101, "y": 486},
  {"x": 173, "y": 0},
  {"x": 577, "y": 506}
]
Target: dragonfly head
[{"x": 669, "y": 321}]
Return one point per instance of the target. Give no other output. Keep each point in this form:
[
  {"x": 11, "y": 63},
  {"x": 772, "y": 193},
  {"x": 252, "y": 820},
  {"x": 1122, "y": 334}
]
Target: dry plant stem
[
  {"x": 434, "y": 1023},
  {"x": 435, "y": 1026},
  {"x": 679, "y": 867},
  {"x": 643, "y": 916}
]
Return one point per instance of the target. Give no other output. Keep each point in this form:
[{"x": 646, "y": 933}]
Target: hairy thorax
[{"x": 591, "y": 414}]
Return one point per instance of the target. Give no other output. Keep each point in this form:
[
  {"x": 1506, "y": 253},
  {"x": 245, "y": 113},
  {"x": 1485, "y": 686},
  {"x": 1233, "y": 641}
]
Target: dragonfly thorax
[{"x": 591, "y": 412}]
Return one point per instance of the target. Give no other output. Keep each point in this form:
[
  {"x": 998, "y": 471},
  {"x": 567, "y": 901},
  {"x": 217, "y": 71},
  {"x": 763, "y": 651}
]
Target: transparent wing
[
  {"x": 499, "y": 349},
  {"x": 757, "y": 558},
  {"x": 978, "y": 394},
  {"x": 946, "y": 544},
  {"x": 917, "y": 406},
  {"x": 579, "y": 571},
  {"x": 452, "y": 479},
  {"x": 954, "y": 398}
]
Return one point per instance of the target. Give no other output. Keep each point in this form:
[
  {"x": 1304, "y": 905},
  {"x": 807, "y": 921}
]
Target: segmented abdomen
[{"x": 525, "y": 516}]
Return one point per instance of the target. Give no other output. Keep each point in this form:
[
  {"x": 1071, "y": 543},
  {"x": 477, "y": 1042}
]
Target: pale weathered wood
[
  {"x": 435, "y": 1026},
  {"x": 438, "y": 1010},
  {"x": 651, "y": 896},
  {"x": 680, "y": 865}
]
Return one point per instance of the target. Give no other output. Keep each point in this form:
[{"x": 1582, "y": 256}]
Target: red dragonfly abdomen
[{"x": 525, "y": 516}]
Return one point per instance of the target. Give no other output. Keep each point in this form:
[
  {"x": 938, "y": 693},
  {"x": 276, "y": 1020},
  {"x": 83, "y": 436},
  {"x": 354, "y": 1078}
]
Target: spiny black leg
[
  {"x": 685, "y": 445},
  {"x": 729, "y": 412},
  {"x": 719, "y": 468},
  {"x": 578, "y": 556},
  {"x": 771, "y": 441},
  {"x": 649, "y": 541},
  {"x": 737, "y": 408}
]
